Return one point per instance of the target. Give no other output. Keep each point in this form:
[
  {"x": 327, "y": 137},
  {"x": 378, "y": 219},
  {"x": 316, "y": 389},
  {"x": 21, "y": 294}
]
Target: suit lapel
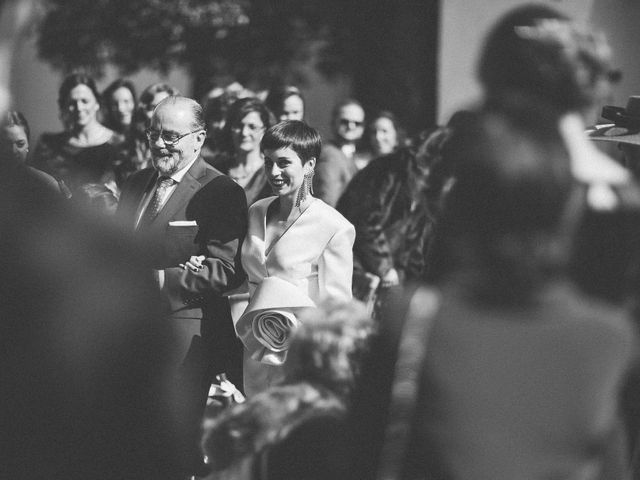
[
  {"x": 139, "y": 192},
  {"x": 184, "y": 191}
]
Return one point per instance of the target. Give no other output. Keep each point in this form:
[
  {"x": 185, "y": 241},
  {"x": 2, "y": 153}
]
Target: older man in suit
[{"x": 182, "y": 207}]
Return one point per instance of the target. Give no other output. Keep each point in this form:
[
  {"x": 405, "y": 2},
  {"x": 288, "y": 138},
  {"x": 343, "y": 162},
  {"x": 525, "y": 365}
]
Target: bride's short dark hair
[{"x": 296, "y": 135}]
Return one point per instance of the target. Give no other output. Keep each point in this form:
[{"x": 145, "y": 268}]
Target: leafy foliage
[
  {"x": 252, "y": 41},
  {"x": 131, "y": 33}
]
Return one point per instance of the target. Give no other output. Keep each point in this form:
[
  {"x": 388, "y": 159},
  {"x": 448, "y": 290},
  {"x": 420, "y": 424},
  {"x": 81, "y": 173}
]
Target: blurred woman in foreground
[
  {"x": 507, "y": 371},
  {"x": 14, "y": 149}
]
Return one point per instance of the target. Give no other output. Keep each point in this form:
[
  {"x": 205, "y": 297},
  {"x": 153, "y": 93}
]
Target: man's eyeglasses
[
  {"x": 169, "y": 138},
  {"x": 345, "y": 122}
]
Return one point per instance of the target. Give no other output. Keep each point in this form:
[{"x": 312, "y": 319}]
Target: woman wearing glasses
[
  {"x": 241, "y": 159},
  {"x": 86, "y": 151}
]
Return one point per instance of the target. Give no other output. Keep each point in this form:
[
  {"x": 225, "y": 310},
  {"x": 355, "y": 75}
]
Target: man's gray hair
[{"x": 197, "y": 122}]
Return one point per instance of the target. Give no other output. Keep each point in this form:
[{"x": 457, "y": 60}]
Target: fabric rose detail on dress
[
  {"x": 266, "y": 326},
  {"x": 273, "y": 328}
]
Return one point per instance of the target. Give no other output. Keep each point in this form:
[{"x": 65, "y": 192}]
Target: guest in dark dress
[{"x": 87, "y": 151}]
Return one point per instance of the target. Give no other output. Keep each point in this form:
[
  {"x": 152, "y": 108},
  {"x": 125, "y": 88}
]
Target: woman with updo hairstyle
[
  {"x": 501, "y": 369},
  {"x": 567, "y": 69},
  {"x": 560, "y": 64},
  {"x": 240, "y": 158},
  {"x": 286, "y": 103},
  {"x": 86, "y": 151}
]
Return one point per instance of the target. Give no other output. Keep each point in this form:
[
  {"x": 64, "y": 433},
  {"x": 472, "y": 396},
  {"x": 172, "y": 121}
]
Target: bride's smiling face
[{"x": 285, "y": 170}]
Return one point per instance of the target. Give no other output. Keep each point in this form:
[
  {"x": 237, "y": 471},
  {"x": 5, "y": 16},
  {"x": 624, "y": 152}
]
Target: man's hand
[{"x": 194, "y": 264}]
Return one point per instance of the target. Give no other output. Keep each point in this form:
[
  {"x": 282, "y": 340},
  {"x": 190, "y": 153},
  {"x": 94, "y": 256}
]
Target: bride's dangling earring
[{"x": 305, "y": 188}]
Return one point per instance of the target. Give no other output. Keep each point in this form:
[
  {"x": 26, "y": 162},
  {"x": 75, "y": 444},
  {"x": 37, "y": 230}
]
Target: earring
[
  {"x": 305, "y": 188},
  {"x": 310, "y": 175}
]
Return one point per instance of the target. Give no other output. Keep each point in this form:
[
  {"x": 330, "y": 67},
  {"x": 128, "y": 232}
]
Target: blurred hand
[{"x": 391, "y": 278}]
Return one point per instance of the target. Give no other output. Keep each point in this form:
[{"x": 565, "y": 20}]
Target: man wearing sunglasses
[
  {"x": 336, "y": 165},
  {"x": 182, "y": 207}
]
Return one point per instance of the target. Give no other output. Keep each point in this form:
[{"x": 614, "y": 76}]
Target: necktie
[{"x": 156, "y": 202}]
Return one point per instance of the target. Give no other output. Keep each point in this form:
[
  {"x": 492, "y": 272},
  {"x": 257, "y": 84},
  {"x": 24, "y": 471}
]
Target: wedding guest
[
  {"x": 216, "y": 106},
  {"x": 286, "y": 103},
  {"x": 84, "y": 383},
  {"x": 86, "y": 389},
  {"x": 386, "y": 203},
  {"x": 506, "y": 370},
  {"x": 329, "y": 346},
  {"x": 86, "y": 151},
  {"x": 336, "y": 164},
  {"x": 150, "y": 97},
  {"x": 15, "y": 141},
  {"x": 384, "y": 134},
  {"x": 292, "y": 430},
  {"x": 567, "y": 68},
  {"x": 120, "y": 103},
  {"x": 241, "y": 159}
]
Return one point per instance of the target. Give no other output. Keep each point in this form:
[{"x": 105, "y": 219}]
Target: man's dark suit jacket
[{"x": 205, "y": 215}]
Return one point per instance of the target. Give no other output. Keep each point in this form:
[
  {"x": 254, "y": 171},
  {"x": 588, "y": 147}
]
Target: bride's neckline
[{"x": 284, "y": 225}]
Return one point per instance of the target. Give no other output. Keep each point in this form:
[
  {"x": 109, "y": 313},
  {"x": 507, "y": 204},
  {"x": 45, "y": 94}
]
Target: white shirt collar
[{"x": 179, "y": 175}]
